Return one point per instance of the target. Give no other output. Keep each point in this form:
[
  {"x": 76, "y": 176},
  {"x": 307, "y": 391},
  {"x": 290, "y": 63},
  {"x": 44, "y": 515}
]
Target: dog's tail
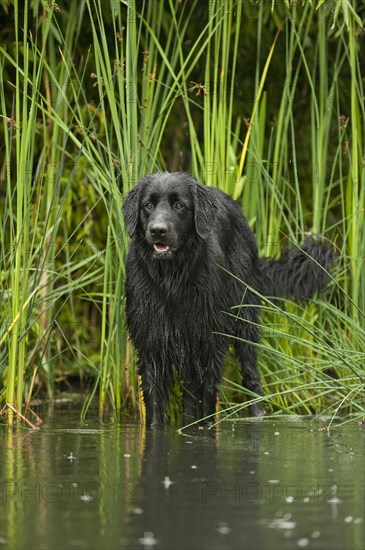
[{"x": 300, "y": 273}]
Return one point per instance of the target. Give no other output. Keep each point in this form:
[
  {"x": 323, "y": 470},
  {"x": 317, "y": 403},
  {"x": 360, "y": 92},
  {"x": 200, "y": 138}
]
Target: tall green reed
[
  {"x": 17, "y": 235},
  {"x": 82, "y": 129},
  {"x": 290, "y": 210},
  {"x": 35, "y": 239}
]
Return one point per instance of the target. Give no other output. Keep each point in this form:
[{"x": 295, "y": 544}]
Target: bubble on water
[
  {"x": 281, "y": 523},
  {"x": 334, "y": 500},
  {"x": 86, "y": 498},
  {"x": 315, "y": 534},
  {"x": 167, "y": 482},
  {"x": 223, "y": 528},
  {"x": 137, "y": 511},
  {"x": 349, "y": 519},
  {"x": 148, "y": 540},
  {"x": 306, "y": 499},
  {"x": 194, "y": 467},
  {"x": 304, "y": 541}
]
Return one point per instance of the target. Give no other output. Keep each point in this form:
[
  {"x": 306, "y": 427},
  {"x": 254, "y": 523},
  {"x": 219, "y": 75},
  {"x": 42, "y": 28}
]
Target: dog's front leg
[
  {"x": 155, "y": 408},
  {"x": 190, "y": 401},
  {"x": 199, "y": 401},
  {"x": 155, "y": 392},
  {"x": 208, "y": 401},
  {"x": 211, "y": 375}
]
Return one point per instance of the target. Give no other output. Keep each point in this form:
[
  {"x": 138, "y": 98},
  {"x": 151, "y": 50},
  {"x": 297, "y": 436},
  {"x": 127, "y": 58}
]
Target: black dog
[{"x": 187, "y": 241}]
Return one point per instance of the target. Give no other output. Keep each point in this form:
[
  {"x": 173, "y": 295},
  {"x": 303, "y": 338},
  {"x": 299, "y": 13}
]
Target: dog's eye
[
  {"x": 149, "y": 206},
  {"x": 179, "y": 206}
]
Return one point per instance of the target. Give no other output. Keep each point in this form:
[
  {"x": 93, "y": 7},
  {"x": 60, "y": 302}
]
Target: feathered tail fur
[{"x": 300, "y": 273}]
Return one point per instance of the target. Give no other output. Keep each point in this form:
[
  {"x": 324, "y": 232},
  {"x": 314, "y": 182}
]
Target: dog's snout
[{"x": 158, "y": 229}]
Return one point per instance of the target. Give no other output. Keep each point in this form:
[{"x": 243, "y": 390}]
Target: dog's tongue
[{"x": 159, "y": 247}]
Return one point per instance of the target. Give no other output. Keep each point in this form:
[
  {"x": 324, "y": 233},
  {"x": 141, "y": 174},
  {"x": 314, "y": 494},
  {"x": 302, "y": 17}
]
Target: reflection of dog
[{"x": 185, "y": 237}]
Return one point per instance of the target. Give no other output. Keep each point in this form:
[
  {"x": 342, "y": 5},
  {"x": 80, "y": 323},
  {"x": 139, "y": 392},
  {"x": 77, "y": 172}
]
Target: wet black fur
[{"x": 177, "y": 301}]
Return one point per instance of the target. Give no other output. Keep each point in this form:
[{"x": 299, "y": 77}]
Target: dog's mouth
[{"x": 161, "y": 249}]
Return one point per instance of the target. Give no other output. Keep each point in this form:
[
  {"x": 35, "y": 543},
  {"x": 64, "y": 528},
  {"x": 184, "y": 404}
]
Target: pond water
[{"x": 272, "y": 484}]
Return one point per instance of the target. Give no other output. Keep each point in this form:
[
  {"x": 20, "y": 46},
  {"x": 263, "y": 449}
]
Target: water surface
[{"x": 257, "y": 485}]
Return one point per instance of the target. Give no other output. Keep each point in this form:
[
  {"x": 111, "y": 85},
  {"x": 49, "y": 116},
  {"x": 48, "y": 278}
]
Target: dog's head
[{"x": 168, "y": 210}]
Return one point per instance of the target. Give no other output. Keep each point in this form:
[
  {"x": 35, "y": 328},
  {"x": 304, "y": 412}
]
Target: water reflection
[
  {"x": 190, "y": 485},
  {"x": 252, "y": 485}
]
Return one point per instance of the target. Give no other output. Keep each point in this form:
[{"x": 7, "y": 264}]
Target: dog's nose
[{"x": 158, "y": 229}]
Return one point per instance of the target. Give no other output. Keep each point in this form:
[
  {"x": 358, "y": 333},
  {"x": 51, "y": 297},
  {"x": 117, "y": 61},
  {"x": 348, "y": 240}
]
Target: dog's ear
[
  {"x": 131, "y": 209},
  {"x": 205, "y": 209}
]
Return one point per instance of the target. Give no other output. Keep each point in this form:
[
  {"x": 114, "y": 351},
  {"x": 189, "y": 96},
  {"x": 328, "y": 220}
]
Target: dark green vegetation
[{"x": 263, "y": 99}]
